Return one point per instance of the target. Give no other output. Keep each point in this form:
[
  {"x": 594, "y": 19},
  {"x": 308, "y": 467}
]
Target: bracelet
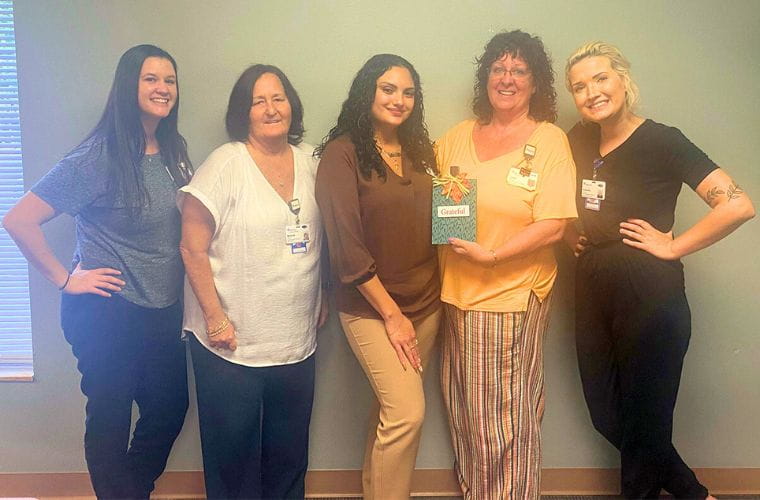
[
  {"x": 219, "y": 329},
  {"x": 493, "y": 254},
  {"x": 68, "y": 277}
]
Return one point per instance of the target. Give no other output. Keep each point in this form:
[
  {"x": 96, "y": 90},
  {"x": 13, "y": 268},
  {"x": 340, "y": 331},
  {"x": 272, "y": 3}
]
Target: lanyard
[
  {"x": 295, "y": 207},
  {"x": 529, "y": 152},
  {"x": 598, "y": 163}
]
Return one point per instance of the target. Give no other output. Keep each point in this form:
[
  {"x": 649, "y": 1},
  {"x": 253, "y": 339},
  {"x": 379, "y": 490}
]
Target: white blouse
[{"x": 270, "y": 292}]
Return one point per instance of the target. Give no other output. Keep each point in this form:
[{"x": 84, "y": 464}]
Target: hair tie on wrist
[
  {"x": 68, "y": 277},
  {"x": 493, "y": 254}
]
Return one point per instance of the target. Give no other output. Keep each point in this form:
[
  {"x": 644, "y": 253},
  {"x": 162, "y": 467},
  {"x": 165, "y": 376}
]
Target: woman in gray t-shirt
[{"x": 120, "y": 308}]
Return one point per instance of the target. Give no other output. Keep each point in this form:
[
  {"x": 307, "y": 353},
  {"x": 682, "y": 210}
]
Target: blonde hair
[{"x": 618, "y": 63}]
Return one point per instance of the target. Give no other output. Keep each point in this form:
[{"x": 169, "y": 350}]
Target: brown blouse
[{"x": 377, "y": 227}]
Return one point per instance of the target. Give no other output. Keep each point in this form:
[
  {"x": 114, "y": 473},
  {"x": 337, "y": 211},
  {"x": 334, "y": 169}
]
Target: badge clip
[
  {"x": 295, "y": 208},
  {"x": 529, "y": 152}
]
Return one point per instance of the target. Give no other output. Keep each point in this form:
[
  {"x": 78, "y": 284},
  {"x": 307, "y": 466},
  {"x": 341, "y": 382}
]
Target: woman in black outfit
[{"x": 632, "y": 318}]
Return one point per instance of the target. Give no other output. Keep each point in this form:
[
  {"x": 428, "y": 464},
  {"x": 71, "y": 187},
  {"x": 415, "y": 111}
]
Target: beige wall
[{"x": 698, "y": 68}]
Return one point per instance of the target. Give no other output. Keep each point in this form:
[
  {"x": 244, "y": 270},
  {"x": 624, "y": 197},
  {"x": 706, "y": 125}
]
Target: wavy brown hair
[
  {"x": 543, "y": 103},
  {"x": 355, "y": 120}
]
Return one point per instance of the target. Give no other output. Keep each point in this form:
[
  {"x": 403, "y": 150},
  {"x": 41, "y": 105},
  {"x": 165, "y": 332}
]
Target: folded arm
[{"x": 532, "y": 237}]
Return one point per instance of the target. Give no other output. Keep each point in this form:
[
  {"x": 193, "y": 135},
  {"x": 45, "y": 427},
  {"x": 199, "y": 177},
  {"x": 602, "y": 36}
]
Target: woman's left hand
[
  {"x": 642, "y": 235},
  {"x": 472, "y": 251}
]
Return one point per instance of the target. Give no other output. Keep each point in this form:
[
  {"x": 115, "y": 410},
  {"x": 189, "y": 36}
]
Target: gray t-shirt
[{"x": 143, "y": 246}]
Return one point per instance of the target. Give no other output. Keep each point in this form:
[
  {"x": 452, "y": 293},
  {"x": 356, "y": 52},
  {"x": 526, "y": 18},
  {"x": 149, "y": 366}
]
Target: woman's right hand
[
  {"x": 402, "y": 337},
  {"x": 99, "y": 281},
  {"x": 399, "y": 329},
  {"x": 226, "y": 339}
]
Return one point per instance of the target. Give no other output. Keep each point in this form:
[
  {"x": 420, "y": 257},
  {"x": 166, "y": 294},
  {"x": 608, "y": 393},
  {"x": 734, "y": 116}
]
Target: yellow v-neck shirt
[{"x": 503, "y": 210}]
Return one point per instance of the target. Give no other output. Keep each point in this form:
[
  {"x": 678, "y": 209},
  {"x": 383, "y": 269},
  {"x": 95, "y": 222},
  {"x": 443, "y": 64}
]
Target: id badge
[
  {"x": 593, "y": 189},
  {"x": 592, "y": 204},
  {"x": 515, "y": 178},
  {"x": 299, "y": 247},
  {"x": 297, "y": 233}
]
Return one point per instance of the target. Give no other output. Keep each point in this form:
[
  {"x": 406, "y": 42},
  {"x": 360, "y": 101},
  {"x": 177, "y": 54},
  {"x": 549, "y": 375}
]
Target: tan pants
[{"x": 397, "y": 414}]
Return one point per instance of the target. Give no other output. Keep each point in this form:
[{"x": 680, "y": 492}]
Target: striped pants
[{"x": 493, "y": 385}]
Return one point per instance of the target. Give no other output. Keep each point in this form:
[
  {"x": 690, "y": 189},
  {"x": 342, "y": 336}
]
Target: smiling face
[
  {"x": 510, "y": 85},
  {"x": 394, "y": 98},
  {"x": 157, "y": 88},
  {"x": 270, "y": 113},
  {"x": 598, "y": 90}
]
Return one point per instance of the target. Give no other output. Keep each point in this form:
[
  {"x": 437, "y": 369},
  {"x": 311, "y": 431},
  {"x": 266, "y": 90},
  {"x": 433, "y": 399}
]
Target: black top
[{"x": 643, "y": 176}]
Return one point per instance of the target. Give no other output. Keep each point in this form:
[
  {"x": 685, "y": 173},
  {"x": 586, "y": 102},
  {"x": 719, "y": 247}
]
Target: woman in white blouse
[{"x": 251, "y": 241}]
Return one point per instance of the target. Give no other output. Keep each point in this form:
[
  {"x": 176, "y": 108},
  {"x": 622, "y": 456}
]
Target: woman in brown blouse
[{"x": 374, "y": 190}]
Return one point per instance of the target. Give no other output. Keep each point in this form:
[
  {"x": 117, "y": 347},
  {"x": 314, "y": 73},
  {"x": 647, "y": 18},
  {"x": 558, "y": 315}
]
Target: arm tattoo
[
  {"x": 734, "y": 191},
  {"x": 712, "y": 195}
]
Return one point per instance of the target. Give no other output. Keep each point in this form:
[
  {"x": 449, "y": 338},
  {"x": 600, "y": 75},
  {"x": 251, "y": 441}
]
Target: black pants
[
  {"x": 254, "y": 425},
  {"x": 632, "y": 331},
  {"x": 127, "y": 353}
]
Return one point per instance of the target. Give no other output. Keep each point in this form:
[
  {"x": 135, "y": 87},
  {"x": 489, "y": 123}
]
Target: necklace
[
  {"x": 278, "y": 176},
  {"x": 393, "y": 160},
  {"x": 273, "y": 174}
]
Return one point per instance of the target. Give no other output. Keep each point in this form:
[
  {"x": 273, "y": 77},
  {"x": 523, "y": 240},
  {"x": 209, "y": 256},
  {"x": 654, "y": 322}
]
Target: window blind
[{"x": 15, "y": 315}]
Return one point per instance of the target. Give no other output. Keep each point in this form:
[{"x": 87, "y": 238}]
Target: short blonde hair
[{"x": 618, "y": 62}]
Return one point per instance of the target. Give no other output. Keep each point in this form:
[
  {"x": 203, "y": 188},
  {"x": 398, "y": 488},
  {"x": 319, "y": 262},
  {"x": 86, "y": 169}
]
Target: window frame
[{"x": 16, "y": 353}]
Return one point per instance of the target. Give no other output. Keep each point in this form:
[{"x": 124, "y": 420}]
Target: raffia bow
[{"x": 453, "y": 187}]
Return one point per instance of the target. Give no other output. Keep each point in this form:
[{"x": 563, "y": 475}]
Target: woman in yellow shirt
[{"x": 497, "y": 289}]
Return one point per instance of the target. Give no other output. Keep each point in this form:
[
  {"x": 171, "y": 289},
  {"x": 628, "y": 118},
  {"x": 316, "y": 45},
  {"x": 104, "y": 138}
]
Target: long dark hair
[
  {"x": 121, "y": 130},
  {"x": 543, "y": 103},
  {"x": 238, "y": 119},
  {"x": 355, "y": 120}
]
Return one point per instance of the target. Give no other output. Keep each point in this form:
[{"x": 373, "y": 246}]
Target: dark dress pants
[
  {"x": 127, "y": 353},
  {"x": 254, "y": 425},
  {"x": 633, "y": 326}
]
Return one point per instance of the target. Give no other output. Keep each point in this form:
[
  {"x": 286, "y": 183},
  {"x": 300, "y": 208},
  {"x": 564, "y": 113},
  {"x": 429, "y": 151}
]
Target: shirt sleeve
[
  {"x": 687, "y": 161},
  {"x": 555, "y": 198},
  {"x": 211, "y": 186},
  {"x": 337, "y": 193},
  {"x": 76, "y": 181}
]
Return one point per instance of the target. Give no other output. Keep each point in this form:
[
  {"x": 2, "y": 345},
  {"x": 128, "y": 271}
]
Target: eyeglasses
[{"x": 515, "y": 73}]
